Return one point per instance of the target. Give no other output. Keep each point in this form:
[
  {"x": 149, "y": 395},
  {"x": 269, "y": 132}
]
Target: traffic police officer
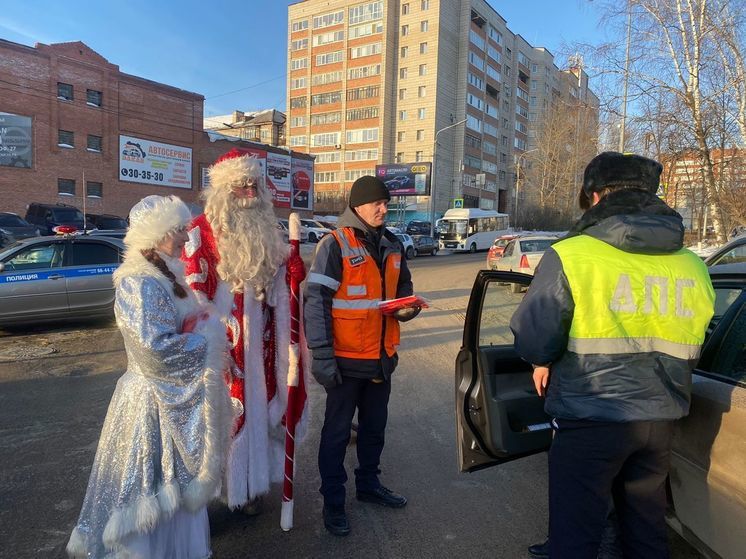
[
  {"x": 613, "y": 324},
  {"x": 353, "y": 345}
]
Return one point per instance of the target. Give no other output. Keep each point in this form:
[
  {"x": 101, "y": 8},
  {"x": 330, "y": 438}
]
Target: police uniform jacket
[{"x": 631, "y": 377}]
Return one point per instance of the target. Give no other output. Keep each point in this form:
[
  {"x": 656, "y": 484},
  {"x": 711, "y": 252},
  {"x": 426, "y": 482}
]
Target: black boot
[
  {"x": 335, "y": 520},
  {"x": 539, "y": 550},
  {"x": 382, "y": 496}
]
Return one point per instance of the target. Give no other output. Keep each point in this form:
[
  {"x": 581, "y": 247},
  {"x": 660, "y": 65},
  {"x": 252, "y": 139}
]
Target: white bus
[{"x": 471, "y": 229}]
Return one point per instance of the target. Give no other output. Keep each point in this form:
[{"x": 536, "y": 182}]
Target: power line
[{"x": 247, "y": 87}]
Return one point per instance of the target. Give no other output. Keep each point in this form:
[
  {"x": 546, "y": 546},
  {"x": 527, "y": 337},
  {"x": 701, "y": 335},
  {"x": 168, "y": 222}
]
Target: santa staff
[{"x": 296, "y": 384}]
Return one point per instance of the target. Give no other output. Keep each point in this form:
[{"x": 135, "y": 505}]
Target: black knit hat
[
  {"x": 368, "y": 189},
  {"x": 611, "y": 169}
]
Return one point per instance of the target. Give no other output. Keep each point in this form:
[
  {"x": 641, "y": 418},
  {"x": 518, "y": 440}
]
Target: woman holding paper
[{"x": 160, "y": 454}]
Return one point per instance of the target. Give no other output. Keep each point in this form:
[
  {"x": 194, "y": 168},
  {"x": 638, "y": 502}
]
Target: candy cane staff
[{"x": 296, "y": 380}]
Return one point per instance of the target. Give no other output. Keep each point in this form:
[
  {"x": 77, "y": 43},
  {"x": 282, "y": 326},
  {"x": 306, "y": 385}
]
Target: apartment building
[
  {"x": 267, "y": 126},
  {"x": 378, "y": 81}
]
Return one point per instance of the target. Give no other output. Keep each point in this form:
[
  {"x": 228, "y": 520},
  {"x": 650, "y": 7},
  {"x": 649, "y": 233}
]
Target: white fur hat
[
  {"x": 233, "y": 168},
  {"x": 154, "y": 217}
]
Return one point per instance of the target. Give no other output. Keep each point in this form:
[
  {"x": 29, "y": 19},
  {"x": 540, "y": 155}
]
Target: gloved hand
[
  {"x": 403, "y": 315},
  {"x": 324, "y": 367}
]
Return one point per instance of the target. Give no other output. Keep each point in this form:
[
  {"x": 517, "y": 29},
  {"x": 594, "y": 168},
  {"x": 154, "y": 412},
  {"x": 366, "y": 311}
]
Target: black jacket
[
  {"x": 614, "y": 387},
  {"x": 317, "y": 308}
]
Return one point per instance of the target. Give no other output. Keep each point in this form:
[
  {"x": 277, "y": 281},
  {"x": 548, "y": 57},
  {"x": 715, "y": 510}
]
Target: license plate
[{"x": 450, "y": 245}]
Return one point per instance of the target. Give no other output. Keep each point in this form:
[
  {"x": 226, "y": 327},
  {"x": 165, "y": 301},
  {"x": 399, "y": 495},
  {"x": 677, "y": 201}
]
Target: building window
[
  {"x": 328, "y": 157},
  {"x": 329, "y": 58},
  {"x": 404, "y": 51},
  {"x": 476, "y": 39},
  {"x": 402, "y": 94},
  {"x": 300, "y": 44},
  {"x": 326, "y": 38},
  {"x": 476, "y": 60},
  {"x": 363, "y": 71},
  {"x": 363, "y": 93},
  {"x": 474, "y": 123},
  {"x": 326, "y": 118},
  {"x": 422, "y": 91},
  {"x": 423, "y": 48},
  {"x": 66, "y": 187},
  {"x": 421, "y": 113},
  {"x": 404, "y": 30},
  {"x": 328, "y": 176},
  {"x": 64, "y": 91},
  {"x": 94, "y": 143},
  {"x": 405, "y": 9},
  {"x": 298, "y": 102},
  {"x": 299, "y": 63},
  {"x": 298, "y": 140},
  {"x": 399, "y": 157},
  {"x": 402, "y": 115},
  {"x": 420, "y": 135},
  {"x": 94, "y": 189},
  {"x": 93, "y": 98},
  {"x": 366, "y": 12},
  {"x": 365, "y": 50},
  {"x": 355, "y": 174},
  {"x": 361, "y": 155},
  {"x": 425, "y": 4},
  {"x": 326, "y": 20},
  {"x": 297, "y": 121},
  {"x": 423, "y": 69},
  {"x": 362, "y": 135},
  {"x": 328, "y": 77},
  {"x": 418, "y": 156},
  {"x": 402, "y": 73},
  {"x": 362, "y": 113},
  {"x": 424, "y": 26},
  {"x": 365, "y": 30},
  {"x": 65, "y": 139},
  {"x": 300, "y": 25},
  {"x": 298, "y": 83},
  {"x": 401, "y": 136},
  {"x": 326, "y": 98},
  {"x": 327, "y": 139}
]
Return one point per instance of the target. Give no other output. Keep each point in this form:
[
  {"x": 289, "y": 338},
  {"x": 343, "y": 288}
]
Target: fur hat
[
  {"x": 612, "y": 169},
  {"x": 234, "y": 167},
  {"x": 368, "y": 189},
  {"x": 154, "y": 217}
]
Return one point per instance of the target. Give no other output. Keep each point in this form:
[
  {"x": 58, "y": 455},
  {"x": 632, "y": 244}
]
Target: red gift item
[{"x": 390, "y": 306}]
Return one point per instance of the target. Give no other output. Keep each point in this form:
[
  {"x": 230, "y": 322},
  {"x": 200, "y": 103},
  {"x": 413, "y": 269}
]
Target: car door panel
[
  {"x": 708, "y": 452},
  {"x": 498, "y": 413},
  {"x": 88, "y": 278},
  {"x": 33, "y": 283}
]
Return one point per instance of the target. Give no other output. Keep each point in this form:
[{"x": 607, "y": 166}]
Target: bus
[{"x": 472, "y": 229}]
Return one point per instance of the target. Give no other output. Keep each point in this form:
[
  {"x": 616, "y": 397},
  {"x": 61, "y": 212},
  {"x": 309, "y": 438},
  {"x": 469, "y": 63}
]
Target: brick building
[
  {"x": 267, "y": 126},
  {"x": 79, "y": 120}
]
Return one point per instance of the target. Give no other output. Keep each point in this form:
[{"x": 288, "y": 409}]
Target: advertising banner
[
  {"x": 406, "y": 179},
  {"x": 149, "y": 162},
  {"x": 278, "y": 178},
  {"x": 302, "y": 184},
  {"x": 16, "y": 147}
]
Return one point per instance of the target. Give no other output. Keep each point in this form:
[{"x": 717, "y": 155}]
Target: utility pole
[{"x": 434, "y": 174}]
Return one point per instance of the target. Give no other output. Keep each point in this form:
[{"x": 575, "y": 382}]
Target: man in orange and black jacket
[{"x": 354, "y": 345}]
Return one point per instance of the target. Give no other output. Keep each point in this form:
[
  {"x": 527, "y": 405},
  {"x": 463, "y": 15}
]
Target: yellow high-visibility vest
[{"x": 635, "y": 303}]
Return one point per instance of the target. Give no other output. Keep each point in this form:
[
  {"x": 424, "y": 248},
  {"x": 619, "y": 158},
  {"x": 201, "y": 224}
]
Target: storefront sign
[
  {"x": 16, "y": 146},
  {"x": 149, "y": 162}
]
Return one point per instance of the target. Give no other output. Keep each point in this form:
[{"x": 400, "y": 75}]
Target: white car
[
  {"x": 314, "y": 230},
  {"x": 522, "y": 255},
  {"x": 407, "y": 243},
  {"x": 282, "y": 225}
]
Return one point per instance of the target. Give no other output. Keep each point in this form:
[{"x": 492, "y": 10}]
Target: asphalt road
[{"x": 56, "y": 382}]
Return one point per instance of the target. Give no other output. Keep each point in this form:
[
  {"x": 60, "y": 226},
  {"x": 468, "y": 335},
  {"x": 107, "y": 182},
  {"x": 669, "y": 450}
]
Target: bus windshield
[{"x": 455, "y": 228}]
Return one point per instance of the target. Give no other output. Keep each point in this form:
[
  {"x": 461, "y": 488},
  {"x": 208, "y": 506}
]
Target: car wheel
[
  {"x": 416, "y": 252},
  {"x": 410, "y": 253},
  {"x": 312, "y": 237},
  {"x": 473, "y": 248},
  {"x": 515, "y": 287}
]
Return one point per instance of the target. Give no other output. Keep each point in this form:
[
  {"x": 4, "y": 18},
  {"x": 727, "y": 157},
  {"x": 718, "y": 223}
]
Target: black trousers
[
  {"x": 371, "y": 401},
  {"x": 589, "y": 464}
]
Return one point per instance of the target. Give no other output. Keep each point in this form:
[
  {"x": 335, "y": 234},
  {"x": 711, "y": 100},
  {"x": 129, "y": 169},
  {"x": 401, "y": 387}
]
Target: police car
[
  {"x": 56, "y": 277},
  {"x": 500, "y": 418}
]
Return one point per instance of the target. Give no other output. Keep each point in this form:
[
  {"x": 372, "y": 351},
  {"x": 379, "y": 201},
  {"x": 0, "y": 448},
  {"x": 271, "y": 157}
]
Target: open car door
[{"x": 499, "y": 416}]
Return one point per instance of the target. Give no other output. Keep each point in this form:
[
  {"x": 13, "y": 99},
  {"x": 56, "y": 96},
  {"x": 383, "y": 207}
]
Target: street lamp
[
  {"x": 518, "y": 180},
  {"x": 626, "y": 78},
  {"x": 434, "y": 173}
]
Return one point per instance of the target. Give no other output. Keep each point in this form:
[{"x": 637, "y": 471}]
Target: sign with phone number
[{"x": 150, "y": 162}]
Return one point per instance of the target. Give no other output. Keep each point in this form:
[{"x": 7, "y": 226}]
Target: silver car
[{"x": 64, "y": 276}]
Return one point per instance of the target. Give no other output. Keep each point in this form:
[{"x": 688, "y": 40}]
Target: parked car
[
  {"x": 282, "y": 225},
  {"x": 315, "y": 230},
  {"x": 500, "y": 417},
  {"x": 730, "y": 253},
  {"x": 407, "y": 243},
  {"x": 13, "y": 228},
  {"x": 106, "y": 221},
  {"x": 416, "y": 227},
  {"x": 424, "y": 244},
  {"x": 522, "y": 254},
  {"x": 48, "y": 216},
  {"x": 496, "y": 250},
  {"x": 397, "y": 182},
  {"x": 56, "y": 277}
]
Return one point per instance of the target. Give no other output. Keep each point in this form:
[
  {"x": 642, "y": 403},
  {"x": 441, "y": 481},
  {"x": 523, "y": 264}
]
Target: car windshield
[
  {"x": 9, "y": 220},
  {"x": 68, "y": 215},
  {"x": 501, "y": 242},
  {"x": 311, "y": 223},
  {"x": 536, "y": 245}
]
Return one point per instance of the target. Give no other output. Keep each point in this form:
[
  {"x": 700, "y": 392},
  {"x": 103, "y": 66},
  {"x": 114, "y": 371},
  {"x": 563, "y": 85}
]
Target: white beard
[{"x": 250, "y": 245}]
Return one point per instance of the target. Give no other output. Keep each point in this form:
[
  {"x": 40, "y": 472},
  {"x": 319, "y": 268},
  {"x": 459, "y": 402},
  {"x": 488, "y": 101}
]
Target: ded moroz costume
[{"x": 236, "y": 258}]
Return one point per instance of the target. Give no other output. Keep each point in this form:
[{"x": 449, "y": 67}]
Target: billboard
[
  {"x": 156, "y": 163},
  {"x": 278, "y": 178},
  {"x": 16, "y": 147},
  {"x": 406, "y": 179},
  {"x": 302, "y": 184}
]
